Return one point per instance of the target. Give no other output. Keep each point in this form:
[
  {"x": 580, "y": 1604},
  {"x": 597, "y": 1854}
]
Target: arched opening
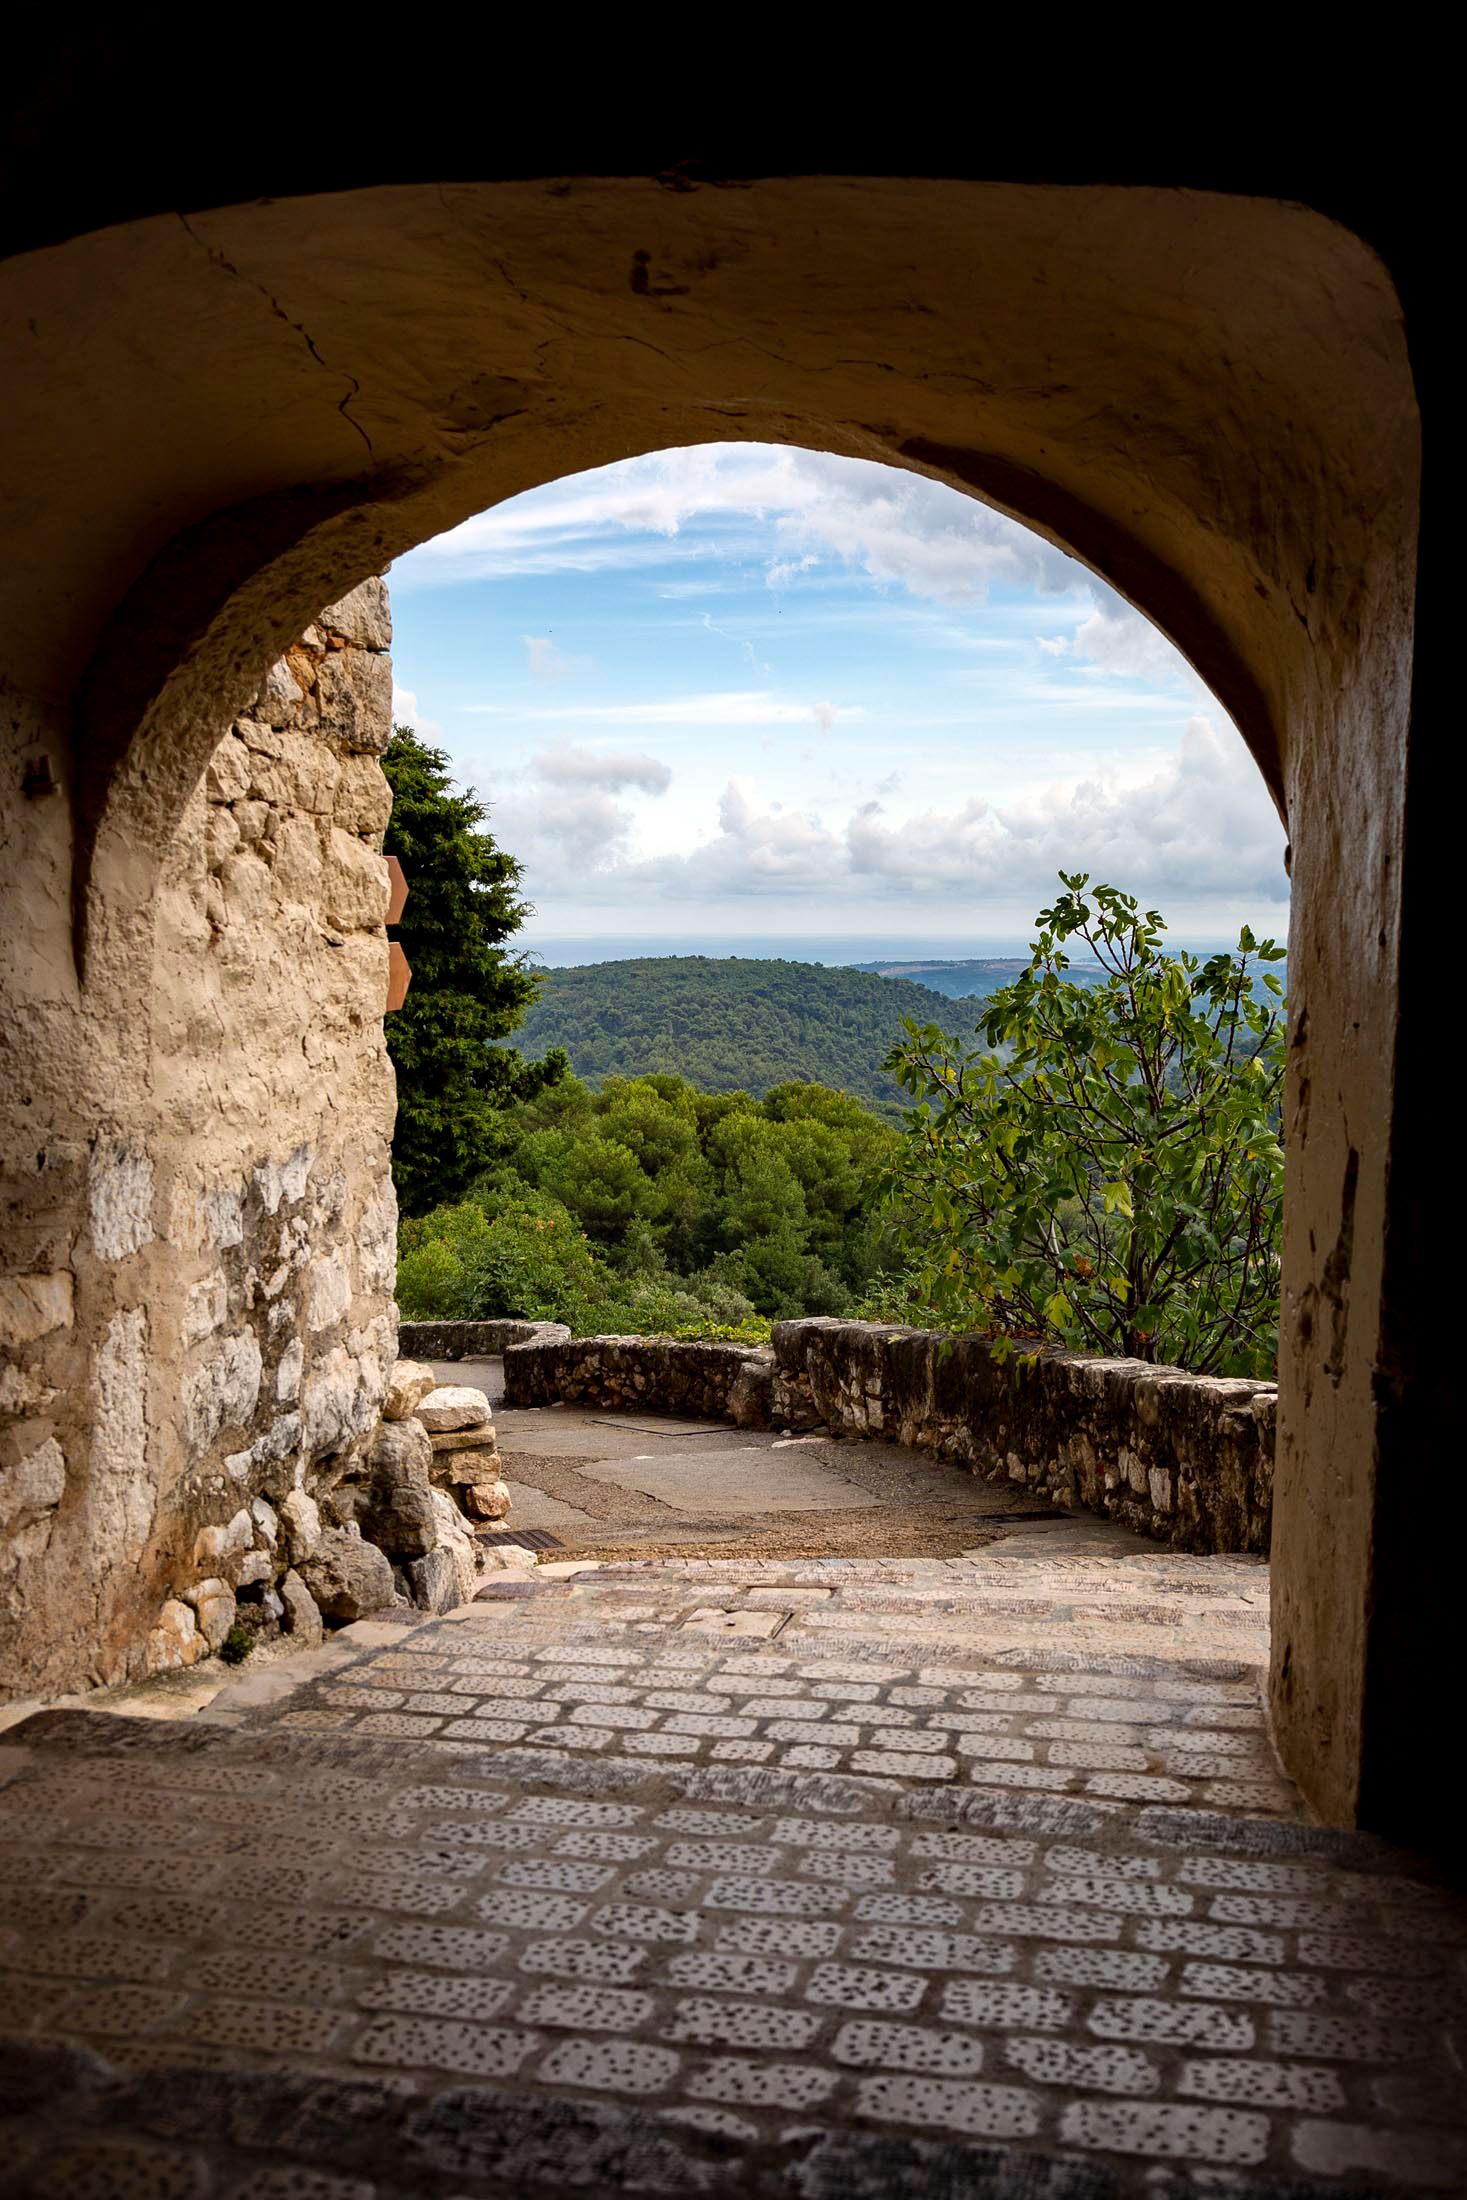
[{"x": 1209, "y": 446}]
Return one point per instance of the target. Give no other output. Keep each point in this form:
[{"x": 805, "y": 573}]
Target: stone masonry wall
[
  {"x": 196, "y": 1344},
  {"x": 1185, "y": 1458},
  {"x": 474, "y": 1340}
]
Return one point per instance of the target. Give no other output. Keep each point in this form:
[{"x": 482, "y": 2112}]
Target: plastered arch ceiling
[{"x": 1205, "y": 398}]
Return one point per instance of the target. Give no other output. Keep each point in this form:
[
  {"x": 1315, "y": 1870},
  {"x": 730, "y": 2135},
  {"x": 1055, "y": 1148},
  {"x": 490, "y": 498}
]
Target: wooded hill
[{"x": 734, "y": 1024}]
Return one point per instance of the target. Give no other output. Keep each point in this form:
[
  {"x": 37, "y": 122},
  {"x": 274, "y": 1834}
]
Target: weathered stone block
[
  {"x": 300, "y": 1516},
  {"x": 32, "y": 1306},
  {"x": 410, "y": 1383},
  {"x": 300, "y": 1614},
  {"x": 486, "y": 1500},
  {"x": 33, "y": 1485},
  {"x": 354, "y": 692},
  {"x": 213, "y": 1603},
  {"x": 454, "y": 1406},
  {"x": 363, "y": 616},
  {"x": 355, "y": 885},
  {"x": 347, "y": 1577},
  {"x": 433, "y": 1581}
]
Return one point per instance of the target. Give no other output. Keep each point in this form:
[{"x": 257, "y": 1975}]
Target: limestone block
[
  {"x": 401, "y": 1450},
  {"x": 454, "y": 1406},
  {"x": 301, "y": 1614},
  {"x": 25, "y": 1390},
  {"x": 463, "y": 1467},
  {"x": 288, "y": 1373},
  {"x": 252, "y": 819},
  {"x": 348, "y": 1577},
  {"x": 213, "y": 1602},
  {"x": 120, "y": 1199},
  {"x": 300, "y": 1516},
  {"x": 433, "y": 1581},
  {"x": 354, "y": 692},
  {"x": 456, "y": 1538},
  {"x": 328, "y": 1289},
  {"x": 446, "y": 1441},
  {"x": 296, "y": 863},
  {"x": 222, "y": 1393},
  {"x": 33, "y": 1485},
  {"x": 280, "y": 697},
  {"x": 267, "y": 1522},
  {"x": 205, "y": 1307},
  {"x": 124, "y": 1486},
  {"x": 356, "y": 883},
  {"x": 376, "y": 1239},
  {"x": 228, "y": 776},
  {"x": 338, "y": 1402},
  {"x": 254, "y": 1566},
  {"x": 224, "y": 1541},
  {"x": 362, "y": 616},
  {"x": 408, "y": 1385},
  {"x": 175, "y": 1639},
  {"x": 363, "y": 802},
  {"x": 247, "y": 888},
  {"x": 283, "y": 1181},
  {"x": 221, "y": 837},
  {"x": 32, "y": 1306},
  {"x": 486, "y": 1500}
]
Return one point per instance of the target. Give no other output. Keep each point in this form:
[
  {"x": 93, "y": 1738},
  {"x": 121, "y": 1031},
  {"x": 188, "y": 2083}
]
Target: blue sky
[{"x": 764, "y": 693}]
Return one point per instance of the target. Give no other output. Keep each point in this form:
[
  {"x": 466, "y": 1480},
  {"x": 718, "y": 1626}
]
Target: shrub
[{"x": 1104, "y": 1168}]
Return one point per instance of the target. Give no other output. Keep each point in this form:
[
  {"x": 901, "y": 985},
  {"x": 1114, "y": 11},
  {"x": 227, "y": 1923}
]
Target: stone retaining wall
[
  {"x": 196, "y": 1306},
  {"x": 1186, "y": 1458},
  {"x": 474, "y": 1340}
]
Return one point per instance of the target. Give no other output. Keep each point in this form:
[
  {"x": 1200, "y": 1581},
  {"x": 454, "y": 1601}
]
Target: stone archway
[{"x": 228, "y": 419}]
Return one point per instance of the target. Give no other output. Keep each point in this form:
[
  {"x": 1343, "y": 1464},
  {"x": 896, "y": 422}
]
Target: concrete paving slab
[{"x": 733, "y": 1481}]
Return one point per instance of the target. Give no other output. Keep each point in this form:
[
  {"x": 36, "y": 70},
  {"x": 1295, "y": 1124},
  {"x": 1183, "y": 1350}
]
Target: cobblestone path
[{"x": 817, "y": 1879}]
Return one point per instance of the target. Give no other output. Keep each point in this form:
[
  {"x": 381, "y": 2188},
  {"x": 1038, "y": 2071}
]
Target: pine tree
[{"x": 468, "y": 990}]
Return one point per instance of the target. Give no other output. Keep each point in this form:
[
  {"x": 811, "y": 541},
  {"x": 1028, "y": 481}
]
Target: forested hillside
[
  {"x": 730, "y": 1025},
  {"x": 651, "y": 1205}
]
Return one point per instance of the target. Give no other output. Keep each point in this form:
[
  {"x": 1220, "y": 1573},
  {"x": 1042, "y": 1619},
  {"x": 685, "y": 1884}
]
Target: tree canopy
[
  {"x": 454, "y": 1082},
  {"x": 652, "y": 1204},
  {"x": 730, "y": 1024},
  {"x": 1104, "y": 1167}
]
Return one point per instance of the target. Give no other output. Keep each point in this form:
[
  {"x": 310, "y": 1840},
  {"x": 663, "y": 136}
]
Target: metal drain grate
[{"x": 529, "y": 1539}]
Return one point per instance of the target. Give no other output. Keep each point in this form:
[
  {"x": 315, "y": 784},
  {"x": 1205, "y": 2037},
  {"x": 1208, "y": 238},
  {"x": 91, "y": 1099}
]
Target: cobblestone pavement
[{"x": 810, "y": 1879}]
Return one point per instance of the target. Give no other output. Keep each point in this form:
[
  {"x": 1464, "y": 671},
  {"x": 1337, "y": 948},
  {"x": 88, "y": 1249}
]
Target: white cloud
[
  {"x": 405, "y": 712},
  {"x": 725, "y": 707},
  {"x": 898, "y": 527},
  {"x": 566, "y": 766},
  {"x": 1200, "y": 825},
  {"x": 1114, "y": 639}
]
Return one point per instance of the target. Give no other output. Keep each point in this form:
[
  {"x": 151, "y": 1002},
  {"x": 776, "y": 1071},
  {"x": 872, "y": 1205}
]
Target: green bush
[{"x": 1103, "y": 1167}]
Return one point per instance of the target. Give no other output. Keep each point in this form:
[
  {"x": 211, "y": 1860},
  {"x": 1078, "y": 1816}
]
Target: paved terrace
[{"x": 741, "y": 1875}]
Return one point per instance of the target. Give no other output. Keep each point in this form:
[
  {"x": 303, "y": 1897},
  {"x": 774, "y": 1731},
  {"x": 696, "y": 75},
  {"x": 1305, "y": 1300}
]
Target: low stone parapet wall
[
  {"x": 473, "y": 1340},
  {"x": 651, "y": 1374},
  {"x": 1186, "y": 1458}
]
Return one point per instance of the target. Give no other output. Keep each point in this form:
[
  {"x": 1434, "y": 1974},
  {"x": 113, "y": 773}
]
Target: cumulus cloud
[
  {"x": 566, "y": 766},
  {"x": 898, "y": 527},
  {"x": 1201, "y": 824},
  {"x": 405, "y": 712}
]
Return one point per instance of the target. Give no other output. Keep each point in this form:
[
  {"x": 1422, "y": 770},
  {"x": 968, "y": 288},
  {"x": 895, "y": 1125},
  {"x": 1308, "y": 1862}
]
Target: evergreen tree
[{"x": 468, "y": 990}]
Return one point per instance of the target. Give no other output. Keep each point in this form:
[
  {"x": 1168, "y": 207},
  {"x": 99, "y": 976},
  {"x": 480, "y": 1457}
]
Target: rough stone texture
[
  {"x": 1187, "y": 1458},
  {"x": 653, "y": 1373},
  {"x": 553, "y": 1863},
  {"x": 301, "y": 1613},
  {"x": 206, "y": 1320},
  {"x": 408, "y": 1385},
  {"x": 348, "y": 1577},
  {"x": 475, "y": 1340},
  {"x": 454, "y": 1406}
]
